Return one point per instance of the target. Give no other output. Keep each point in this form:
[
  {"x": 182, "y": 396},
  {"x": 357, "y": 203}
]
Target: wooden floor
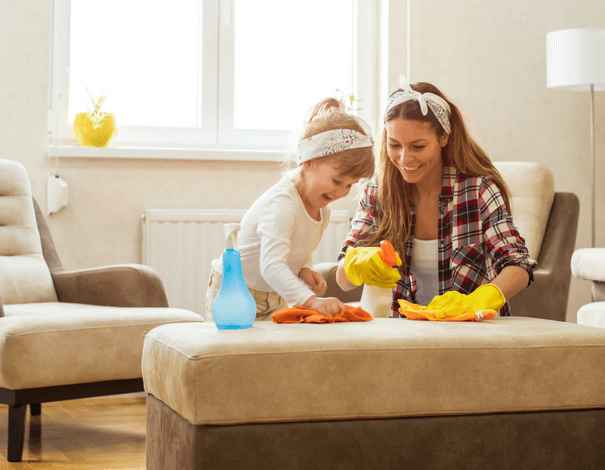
[{"x": 95, "y": 433}]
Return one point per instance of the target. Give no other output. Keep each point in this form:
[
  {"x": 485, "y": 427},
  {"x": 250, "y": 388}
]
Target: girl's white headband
[
  {"x": 438, "y": 105},
  {"x": 334, "y": 141}
]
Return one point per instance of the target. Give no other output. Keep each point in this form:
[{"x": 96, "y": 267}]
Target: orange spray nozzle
[{"x": 387, "y": 253}]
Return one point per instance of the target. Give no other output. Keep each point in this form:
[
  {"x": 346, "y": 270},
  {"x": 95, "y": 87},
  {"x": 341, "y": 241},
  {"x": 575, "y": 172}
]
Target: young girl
[
  {"x": 283, "y": 227},
  {"x": 439, "y": 200}
]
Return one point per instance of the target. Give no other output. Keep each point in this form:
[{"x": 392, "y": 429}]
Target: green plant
[
  {"x": 95, "y": 114},
  {"x": 348, "y": 101}
]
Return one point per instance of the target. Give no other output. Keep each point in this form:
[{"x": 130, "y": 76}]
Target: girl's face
[
  {"x": 322, "y": 183},
  {"x": 415, "y": 150}
]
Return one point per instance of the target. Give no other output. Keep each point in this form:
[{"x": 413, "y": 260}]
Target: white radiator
[{"x": 181, "y": 244}]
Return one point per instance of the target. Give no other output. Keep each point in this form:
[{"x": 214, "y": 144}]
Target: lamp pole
[{"x": 593, "y": 165}]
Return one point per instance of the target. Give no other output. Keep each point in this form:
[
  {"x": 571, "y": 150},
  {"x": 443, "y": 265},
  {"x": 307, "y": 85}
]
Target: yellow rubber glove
[
  {"x": 418, "y": 312},
  {"x": 364, "y": 265},
  {"x": 485, "y": 297}
]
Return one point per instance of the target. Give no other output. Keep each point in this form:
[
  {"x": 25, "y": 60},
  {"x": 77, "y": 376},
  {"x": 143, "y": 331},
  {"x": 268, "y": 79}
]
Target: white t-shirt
[
  {"x": 425, "y": 268},
  {"x": 276, "y": 240}
]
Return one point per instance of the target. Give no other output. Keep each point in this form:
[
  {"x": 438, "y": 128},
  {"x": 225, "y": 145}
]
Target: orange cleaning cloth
[
  {"x": 308, "y": 315},
  {"x": 418, "y": 312}
]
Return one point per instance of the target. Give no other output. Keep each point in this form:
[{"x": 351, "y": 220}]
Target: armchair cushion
[
  {"x": 56, "y": 343},
  {"x": 532, "y": 189},
  {"x": 24, "y": 274}
]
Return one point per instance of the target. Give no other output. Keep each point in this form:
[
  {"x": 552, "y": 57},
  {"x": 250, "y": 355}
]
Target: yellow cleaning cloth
[{"x": 450, "y": 313}]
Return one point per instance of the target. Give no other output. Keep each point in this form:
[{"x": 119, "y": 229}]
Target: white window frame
[{"x": 215, "y": 138}]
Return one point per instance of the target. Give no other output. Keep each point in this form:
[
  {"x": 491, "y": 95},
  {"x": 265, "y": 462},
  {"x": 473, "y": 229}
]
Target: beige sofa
[
  {"x": 65, "y": 334},
  {"x": 548, "y": 221}
]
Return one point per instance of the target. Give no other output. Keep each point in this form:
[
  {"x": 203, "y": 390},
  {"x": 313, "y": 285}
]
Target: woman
[{"x": 439, "y": 200}]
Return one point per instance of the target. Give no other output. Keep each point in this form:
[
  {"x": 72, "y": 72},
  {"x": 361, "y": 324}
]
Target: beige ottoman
[{"x": 390, "y": 393}]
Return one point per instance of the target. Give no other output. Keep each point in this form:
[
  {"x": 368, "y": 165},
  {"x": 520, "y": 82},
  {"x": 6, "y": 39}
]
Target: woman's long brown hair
[{"x": 395, "y": 195}]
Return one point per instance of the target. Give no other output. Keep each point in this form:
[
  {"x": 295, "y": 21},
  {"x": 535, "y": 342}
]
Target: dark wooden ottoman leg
[
  {"x": 16, "y": 432},
  {"x": 35, "y": 409}
]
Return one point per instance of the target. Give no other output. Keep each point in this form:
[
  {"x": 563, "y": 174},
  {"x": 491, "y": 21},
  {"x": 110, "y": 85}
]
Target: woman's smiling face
[{"x": 415, "y": 149}]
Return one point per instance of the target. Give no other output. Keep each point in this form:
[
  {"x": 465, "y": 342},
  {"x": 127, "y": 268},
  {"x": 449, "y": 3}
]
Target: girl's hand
[
  {"x": 328, "y": 306},
  {"x": 314, "y": 280}
]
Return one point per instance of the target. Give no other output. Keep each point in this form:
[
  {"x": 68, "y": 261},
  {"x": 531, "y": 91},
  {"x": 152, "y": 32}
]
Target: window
[{"x": 219, "y": 74}]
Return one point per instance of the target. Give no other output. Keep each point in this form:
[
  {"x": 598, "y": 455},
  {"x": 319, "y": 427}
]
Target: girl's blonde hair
[
  {"x": 394, "y": 194},
  {"x": 325, "y": 116}
]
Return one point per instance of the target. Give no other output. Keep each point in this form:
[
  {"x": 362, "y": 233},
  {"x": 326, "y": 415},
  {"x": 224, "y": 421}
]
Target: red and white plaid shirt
[{"x": 477, "y": 237}]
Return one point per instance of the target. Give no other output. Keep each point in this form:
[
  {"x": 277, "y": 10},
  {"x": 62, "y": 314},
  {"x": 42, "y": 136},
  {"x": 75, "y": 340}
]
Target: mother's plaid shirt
[{"x": 477, "y": 238}]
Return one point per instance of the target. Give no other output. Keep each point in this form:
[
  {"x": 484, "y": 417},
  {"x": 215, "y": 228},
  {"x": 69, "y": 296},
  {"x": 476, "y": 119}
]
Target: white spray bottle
[{"x": 377, "y": 301}]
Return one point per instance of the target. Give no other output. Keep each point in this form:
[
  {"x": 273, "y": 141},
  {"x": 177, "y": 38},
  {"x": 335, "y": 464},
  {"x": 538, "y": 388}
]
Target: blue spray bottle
[{"x": 234, "y": 307}]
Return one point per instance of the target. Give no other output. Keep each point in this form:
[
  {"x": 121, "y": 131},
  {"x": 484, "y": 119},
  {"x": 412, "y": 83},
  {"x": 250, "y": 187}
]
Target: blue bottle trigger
[{"x": 234, "y": 307}]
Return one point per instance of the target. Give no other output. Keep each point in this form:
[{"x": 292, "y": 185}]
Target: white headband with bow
[
  {"x": 334, "y": 141},
  {"x": 438, "y": 105}
]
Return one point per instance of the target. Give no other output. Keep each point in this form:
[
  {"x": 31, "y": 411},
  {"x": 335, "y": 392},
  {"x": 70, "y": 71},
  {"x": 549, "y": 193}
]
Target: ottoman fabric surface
[{"x": 379, "y": 369}]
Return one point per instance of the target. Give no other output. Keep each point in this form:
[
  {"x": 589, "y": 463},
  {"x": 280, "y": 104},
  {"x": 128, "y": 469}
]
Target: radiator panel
[{"x": 181, "y": 244}]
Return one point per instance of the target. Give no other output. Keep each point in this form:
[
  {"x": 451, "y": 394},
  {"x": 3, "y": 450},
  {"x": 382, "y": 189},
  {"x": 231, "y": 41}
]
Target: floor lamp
[{"x": 575, "y": 61}]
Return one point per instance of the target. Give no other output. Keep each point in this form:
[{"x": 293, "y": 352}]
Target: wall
[{"x": 489, "y": 57}]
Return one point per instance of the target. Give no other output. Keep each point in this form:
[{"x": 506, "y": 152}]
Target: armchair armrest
[
  {"x": 125, "y": 285},
  {"x": 547, "y": 295},
  {"x": 589, "y": 264},
  {"x": 328, "y": 271}
]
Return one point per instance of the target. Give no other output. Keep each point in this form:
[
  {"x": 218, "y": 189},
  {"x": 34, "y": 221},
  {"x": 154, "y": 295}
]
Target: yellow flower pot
[{"x": 88, "y": 136}]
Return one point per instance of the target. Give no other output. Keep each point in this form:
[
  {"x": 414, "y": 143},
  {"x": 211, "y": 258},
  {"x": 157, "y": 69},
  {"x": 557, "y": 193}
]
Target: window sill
[{"x": 166, "y": 153}]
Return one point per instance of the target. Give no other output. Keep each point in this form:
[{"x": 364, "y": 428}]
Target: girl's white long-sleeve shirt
[{"x": 276, "y": 240}]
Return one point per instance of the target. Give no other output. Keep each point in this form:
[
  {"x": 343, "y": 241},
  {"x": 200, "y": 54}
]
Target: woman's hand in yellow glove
[
  {"x": 485, "y": 297},
  {"x": 364, "y": 265}
]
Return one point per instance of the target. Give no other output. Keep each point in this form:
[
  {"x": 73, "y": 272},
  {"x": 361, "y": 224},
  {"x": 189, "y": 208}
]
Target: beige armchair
[
  {"x": 589, "y": 264},
  {"x": 65, "y": 334},
  {"x": 548, "y": 221}
]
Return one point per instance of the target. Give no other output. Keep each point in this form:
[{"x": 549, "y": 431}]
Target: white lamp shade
[{"x": 575, "y": 59}]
